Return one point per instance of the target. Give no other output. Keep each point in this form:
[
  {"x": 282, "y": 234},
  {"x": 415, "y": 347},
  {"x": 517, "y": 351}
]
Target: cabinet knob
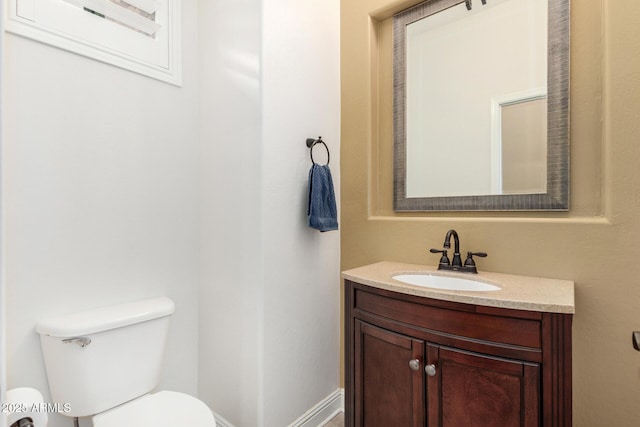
[
  {"x": 430, "y": 370},
  {"x": 414, "y": 364}
]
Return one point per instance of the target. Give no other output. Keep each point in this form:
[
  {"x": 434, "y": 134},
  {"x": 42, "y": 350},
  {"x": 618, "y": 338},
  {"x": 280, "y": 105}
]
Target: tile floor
[{"x": 337, "y": 421}]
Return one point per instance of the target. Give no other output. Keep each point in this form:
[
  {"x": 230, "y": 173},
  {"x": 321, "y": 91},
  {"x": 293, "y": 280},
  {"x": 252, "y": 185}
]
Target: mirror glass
[{"x": 475, "y": 89}]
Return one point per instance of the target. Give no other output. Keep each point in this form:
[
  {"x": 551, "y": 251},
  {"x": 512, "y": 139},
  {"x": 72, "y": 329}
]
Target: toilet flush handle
[{"x": 81, "y": 341}]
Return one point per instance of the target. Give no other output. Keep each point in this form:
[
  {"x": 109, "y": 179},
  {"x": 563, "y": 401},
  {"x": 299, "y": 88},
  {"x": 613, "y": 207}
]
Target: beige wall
[{"x": 595, "y": 244}]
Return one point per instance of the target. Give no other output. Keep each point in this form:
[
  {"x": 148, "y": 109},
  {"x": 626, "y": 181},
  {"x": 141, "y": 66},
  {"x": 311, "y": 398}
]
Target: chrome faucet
[{"x": 456, "y": 264}]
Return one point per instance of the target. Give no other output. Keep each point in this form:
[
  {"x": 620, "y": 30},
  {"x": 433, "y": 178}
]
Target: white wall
[
  {"x": 100, "y": 197},
  {"x": 3, "y": 341},
  {"x": 108, "y": 197},
  {"x": 301, "y": 98},
  {"x": 269, "y": 306},
  {"x": 231, "y": 210}
]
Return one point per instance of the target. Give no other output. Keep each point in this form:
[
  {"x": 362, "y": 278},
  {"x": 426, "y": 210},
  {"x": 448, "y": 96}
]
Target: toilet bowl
[
  {"x": 164, "y": 408},
  {"x": 106, "y": 363}
]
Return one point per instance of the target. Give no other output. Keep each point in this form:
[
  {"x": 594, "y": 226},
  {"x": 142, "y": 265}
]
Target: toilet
[{"x": 105, "y": 363}]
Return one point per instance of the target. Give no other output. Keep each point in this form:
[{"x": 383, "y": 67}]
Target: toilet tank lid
[{"x": 105, "y": 318}]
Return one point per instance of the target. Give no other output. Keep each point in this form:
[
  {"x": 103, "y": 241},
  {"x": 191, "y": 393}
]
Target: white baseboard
[
  {"x": 221, "y": 422},
  {"x": 323, "y": 411},
  {"x": 317, "y": 416}
]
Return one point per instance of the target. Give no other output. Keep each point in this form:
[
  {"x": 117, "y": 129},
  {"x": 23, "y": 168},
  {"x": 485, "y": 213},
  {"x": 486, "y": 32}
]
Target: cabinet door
[
  {"x": 470, "y": 389},
  {"x": 389, "y": 378}
]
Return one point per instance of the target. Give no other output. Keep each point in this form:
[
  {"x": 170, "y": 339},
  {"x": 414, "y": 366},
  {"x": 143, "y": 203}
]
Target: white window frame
[{"x": 66, "y": 26}]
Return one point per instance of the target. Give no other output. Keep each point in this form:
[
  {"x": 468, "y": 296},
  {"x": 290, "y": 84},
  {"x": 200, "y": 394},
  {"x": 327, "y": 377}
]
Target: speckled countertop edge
[{"x": 516, "y": 292}]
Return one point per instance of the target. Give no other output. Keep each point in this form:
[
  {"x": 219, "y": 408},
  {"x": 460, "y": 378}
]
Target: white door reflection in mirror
[{"x": 519, "y": 144}]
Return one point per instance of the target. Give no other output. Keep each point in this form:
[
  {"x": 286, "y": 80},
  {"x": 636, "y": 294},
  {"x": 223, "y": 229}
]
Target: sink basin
[{"x": 450, "y": 283}]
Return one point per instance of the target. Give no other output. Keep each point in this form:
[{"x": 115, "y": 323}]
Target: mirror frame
[{"x": 557, "y": 196}]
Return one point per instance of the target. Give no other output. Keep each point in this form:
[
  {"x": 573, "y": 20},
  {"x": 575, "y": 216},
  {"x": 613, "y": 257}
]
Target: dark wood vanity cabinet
[{"x": 414, "y": 361}]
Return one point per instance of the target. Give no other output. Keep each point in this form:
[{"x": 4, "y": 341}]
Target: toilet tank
[{"x": 100, "y": 358}]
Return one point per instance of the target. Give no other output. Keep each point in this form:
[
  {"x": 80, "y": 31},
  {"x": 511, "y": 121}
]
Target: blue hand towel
[{"x": 322, "y": 211}]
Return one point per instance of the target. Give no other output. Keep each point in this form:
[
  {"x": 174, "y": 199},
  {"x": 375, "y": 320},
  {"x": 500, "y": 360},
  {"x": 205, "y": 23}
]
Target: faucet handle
[
  {"x": 444, "y": 259},
  {"x": 470, "y": 264},
  {"x": 480, "y": 254}
]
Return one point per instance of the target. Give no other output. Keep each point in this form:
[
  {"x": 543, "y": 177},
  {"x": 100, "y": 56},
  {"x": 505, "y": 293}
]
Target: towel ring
[{"x": 312, "y": 143}]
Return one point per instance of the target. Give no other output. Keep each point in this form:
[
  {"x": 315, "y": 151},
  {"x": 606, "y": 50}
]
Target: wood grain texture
[{"x": 483, "y": 379}]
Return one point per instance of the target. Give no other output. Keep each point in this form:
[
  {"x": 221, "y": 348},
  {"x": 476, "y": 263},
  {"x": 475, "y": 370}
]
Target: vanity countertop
[{"x": 516, "y": 292}]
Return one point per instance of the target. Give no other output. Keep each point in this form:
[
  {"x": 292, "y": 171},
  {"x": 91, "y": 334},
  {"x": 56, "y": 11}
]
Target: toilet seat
[{"x": 161, "y": 409}]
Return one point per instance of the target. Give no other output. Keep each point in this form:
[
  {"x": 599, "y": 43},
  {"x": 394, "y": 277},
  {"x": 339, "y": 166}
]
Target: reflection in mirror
[
  {"x": 474, "y": 91},
  {"x": 521, "y": 143}
]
